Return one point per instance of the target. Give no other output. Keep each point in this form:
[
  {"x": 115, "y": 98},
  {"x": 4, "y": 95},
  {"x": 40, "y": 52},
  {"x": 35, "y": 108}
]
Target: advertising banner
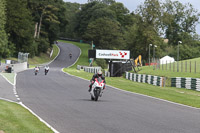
[{"x": 113, "y": 54}]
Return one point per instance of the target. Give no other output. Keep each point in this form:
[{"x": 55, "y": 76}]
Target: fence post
[
  {"x": 166, "y": 65},
  {"x": 170, "y": 65},
  {"x": 181, "y": 66},
  {"x": 190, "y": 67},
  {"x": 186, "y": 66},
  {"x": 173, "y": 66},
  {"x": 195, "y": 67}
]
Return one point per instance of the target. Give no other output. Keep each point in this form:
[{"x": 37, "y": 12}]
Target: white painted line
[
  {"x": 7, "y": 100},
  {"x": 53, "y": 129},
  {"x": 6, "y": 79}
]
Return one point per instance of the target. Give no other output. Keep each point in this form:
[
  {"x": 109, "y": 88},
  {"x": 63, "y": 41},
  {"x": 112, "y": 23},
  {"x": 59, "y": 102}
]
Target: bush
[{"x": 102, "y": 63}]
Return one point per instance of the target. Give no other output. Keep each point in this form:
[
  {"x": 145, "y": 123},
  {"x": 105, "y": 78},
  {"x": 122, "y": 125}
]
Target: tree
[
  {"x": 121, "y": 13},
  {"x": 3, "y": 35},
  {"x": 19, "y": 26},
  {"x": 150, "y": 13},
  {"x": 178, "y": 18},
  {"x": 138, "y": 37},
  {"x": 105, "y": 33},
  {"x": 108, "y": 2}
]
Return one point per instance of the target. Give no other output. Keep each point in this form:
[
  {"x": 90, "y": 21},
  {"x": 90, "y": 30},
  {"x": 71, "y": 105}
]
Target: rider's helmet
[{"x": 99, "y": 73}]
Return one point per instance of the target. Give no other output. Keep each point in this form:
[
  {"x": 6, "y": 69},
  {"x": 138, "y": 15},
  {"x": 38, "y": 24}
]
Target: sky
[{"x": 132, "y": 5}]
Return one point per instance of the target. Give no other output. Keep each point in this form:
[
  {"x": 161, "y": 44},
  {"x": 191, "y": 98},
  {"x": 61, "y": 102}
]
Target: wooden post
[
  {"x": 190, "y": 67},
  {"x": 185, "y": 66},
  {"x": 181, "y": 66},
  {"x": 195, "y": 67}
]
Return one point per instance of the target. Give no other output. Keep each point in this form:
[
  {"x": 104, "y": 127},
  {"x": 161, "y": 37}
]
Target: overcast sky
[{"x": 132, "y": 5}]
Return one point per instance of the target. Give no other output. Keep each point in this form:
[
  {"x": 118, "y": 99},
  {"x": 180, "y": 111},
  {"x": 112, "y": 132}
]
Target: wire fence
[
  {"x": 192, "y": 66},
  {"x": 22, "y": 57}
]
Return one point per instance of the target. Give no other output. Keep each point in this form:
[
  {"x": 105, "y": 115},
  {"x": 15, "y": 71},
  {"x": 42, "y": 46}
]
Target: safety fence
[
  {"x": 92, "y": 69},
  {"x": 143, "y": 78},
  {"x": 188, "y": 66},
  {"x": 188, "y": 83},
  {"x": 89, "y": 69}
]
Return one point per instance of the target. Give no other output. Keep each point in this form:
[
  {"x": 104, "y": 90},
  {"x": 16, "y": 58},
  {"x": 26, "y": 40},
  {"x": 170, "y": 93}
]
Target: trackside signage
[{"x": 113, "y": 54}]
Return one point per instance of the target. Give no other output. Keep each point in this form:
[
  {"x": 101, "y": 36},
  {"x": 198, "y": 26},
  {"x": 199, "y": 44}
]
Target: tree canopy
[{"x": 33, "y": 25}]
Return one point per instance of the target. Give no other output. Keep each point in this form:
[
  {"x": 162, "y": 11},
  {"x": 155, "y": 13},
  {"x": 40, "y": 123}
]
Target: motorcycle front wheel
[{"x": 92, "y": 98}]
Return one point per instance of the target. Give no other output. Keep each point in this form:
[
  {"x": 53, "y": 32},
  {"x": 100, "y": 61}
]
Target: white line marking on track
[
  {"x": 8, "y": 100},
  {"x": 53, "y": 129}
]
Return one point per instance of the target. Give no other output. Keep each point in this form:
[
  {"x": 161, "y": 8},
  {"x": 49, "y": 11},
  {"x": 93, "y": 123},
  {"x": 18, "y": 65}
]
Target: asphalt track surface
[{"x": 63, "y": 102}]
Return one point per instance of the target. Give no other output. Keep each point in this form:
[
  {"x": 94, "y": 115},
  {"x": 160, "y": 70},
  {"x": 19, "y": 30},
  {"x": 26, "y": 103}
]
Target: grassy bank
[
  {"x": 170, "y": 70},
  {"x": 16, "y": 119},
  {"x": 43, "y": 58},
  {"x": 183, "y": 96}
]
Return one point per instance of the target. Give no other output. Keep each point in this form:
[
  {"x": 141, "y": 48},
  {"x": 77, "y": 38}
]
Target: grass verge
[
  {"x": 187, "y": 68},
  {"x": 9, "y": 77},
  {"x": 182, "y": 96},
  {"x": 16, "y": 119}
]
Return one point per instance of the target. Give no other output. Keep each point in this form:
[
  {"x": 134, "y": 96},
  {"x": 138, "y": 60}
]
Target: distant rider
[
  {"x": 70, "y": 55},
  {"x": 97, "y": 75},
  {"x": 36, "y": 70},
  {"x": 46, "y": 69}
]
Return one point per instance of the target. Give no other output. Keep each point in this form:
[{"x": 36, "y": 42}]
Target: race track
[{"x": 63, "y": 101}]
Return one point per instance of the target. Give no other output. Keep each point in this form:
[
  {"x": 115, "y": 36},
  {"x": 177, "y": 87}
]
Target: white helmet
[{"x": 99, "y": 73}]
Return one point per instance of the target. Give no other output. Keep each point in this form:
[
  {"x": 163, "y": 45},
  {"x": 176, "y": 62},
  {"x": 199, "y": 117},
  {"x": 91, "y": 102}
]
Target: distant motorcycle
[
  {"x": 46, "y": 71},
  {"x": 36, "y": 70},
  {"x": 97, "y": 89}
]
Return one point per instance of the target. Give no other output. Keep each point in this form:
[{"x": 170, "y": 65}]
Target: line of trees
[
  {"x": 33, "y": 25},
  {"x": 110, "y": 25},
  {"x": 30, "y": 26}
]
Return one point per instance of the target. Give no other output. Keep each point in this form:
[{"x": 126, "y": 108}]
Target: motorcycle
[
  {"x": 36, "y": 71},
  {"x": 97, "y": 89},
  {"x": 46, "y": 71}
]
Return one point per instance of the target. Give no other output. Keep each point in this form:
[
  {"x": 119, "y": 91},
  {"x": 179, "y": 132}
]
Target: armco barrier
[
  {"x": 188, "y": 83},
  {"x": 154, "y": 80},
  {"x": 92, "y": 69}
]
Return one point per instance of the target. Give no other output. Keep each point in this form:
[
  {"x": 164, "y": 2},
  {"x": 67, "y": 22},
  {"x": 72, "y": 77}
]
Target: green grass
[
  {"x": 183, "y": 96},
  {"x": 170, "y": 70},
  {"x": 16, "y": 119},
  {"x": 9, "y": 76},
  {"x": 43, "y": 58}
]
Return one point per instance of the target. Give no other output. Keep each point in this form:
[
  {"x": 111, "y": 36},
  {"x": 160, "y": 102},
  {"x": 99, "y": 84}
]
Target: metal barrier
[
  {"x": 188, "y": 83},
  {"x": 142, "y": 78}
]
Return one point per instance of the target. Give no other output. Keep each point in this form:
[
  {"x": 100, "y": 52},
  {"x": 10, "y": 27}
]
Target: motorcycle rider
[
  {"x": 70, "y": 55},
  {"x": 46, "y": 69},
  {"x": 97, "y": 75},
  {"x": 36, "y": 69}
]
